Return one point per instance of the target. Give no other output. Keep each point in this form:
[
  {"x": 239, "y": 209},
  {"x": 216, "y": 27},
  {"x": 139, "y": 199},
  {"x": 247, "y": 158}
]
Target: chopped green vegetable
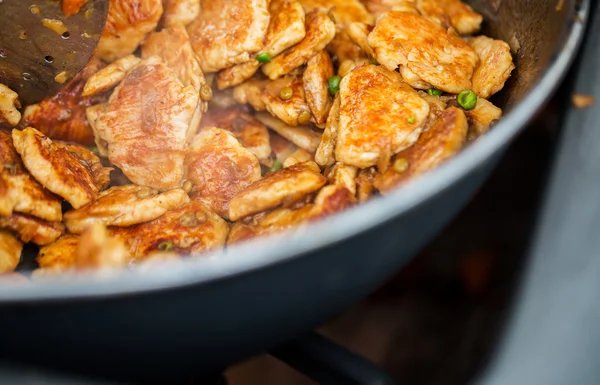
[
  {"x": 434, "y": 92},
  {"x": 276, "y": 166},
  {"x": 286, "y": 93},
  {"x": 333, "y": 85},
  {"x": 467, "y": 99},
  {"x": 411, "y": 120},
  {"x": 264, "y": 57},
  {"x": 166, "y": 246}
]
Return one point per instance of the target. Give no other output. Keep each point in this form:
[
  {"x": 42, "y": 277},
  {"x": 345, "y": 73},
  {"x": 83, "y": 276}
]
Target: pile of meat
[{"x": 202, "y": 123}]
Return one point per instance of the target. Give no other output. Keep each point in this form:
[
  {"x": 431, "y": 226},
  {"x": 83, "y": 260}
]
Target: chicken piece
[
  {"x": 282, "y": 149},
  {"x": 380, "y": 115},
  {"x": 344, "y": 11},
  {"x": 318, "y": 70},
  {"x": 302, "y": 136},
  {"x": 55, "y": 167},
  {"x": 72, "y": 7},
  {"x": 190, "y": 229},
  {"x": 30, "y": 229},
  {"x": 180, "y": 12},
  {"x": 442, "y": 142},
  {"x": 109, "y": 76},
  {"x": 436, "y": 107},
  {"x": 124, "y": 206},
  {"x": 495, "y": 65},
  {"x": 58, "y": 256},
  {"x": 286, "y": 29},
  {"x": 451, "y": 13},
  {"x": 330, "y": 199},
  {"x": 325, "y": 154},
  {"x": 348, "y": 66},
  {"x": 222, "y": 99},
  {"x": 320, "y": 30},
  {"x": 19, "y": 192},
  {"x": 251, "y": 133},
  {"x": 293, "y": 110},
  {"x": 413, "y": 79},
  {"x": 482, "y": 117},
  {"x": 219, "y": 168},
  {"x": 298, "y": 156},
  {"x": 147, "y": 125},
  {"x": 63, "y": 116},
  {"x": 250, "y": 92},
  {"x": 344, "y": 176},
  {"x": 227, "y": 32},
  {"x": 9, "y": 105},
  {"x": 365, "y": 184},
  {"x": 379, "y": 7},
  {"x": 10, "y": 252},
  {"x": 441, "y": 59},
  {"x": 93, "y": 113},
  {"x": 97, "y": 249},
  {"x": 100, "y": 174},
  {"x": 287, "y": 185},
  {"x": 359, "y": 34},
  {"x": 127, "y": 24}
]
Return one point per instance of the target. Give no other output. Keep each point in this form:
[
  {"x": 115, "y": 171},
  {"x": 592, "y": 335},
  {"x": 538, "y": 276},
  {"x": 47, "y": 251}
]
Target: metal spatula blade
[{"x": 41, "y": 49}]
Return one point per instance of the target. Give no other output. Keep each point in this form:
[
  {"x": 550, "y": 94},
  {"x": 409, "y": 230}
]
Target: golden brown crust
[
  {"x": 482, "y": 117},
  {"x": 9, "y": 104},
  {"x": 111, "y": 75},
  {"x": 325, "y": 154},
  {"x": 289, "y": 110},
  {"x": 451, "y": 13},
  {"x": 302, "y": 136},
  {"x": 10, "y": 252},
  {"x": 55, "y": 167},
  {"x": 59, "y": 256},
  {"x": 318, "y": 70},
  {"x": 30, "y": 229},
  {"x": 495, "y": 65},
  {"x": 100, "y": 174},
  {"x": 180, "y": 12},
  {"x": 219, "y": 167}
]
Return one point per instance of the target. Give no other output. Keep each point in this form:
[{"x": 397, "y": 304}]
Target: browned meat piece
[
  {"x": 10, "y": 252},
  {"x": 318, "y": 70},
  {"x": 482, "y": 117},
  {"x": 30, "y": 229},
  {"x": 302, "y": 136},
  {"x": 451, "y": 13},
  {"x": 180, "y": 12},
  {"x": 9, "y": 105},
  {"x": 495, "y": 65}
]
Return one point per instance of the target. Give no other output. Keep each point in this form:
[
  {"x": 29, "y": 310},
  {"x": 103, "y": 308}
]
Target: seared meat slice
[
  {"x": 93, "y": 113},
  {"x": 10, "y": 252},
  {"x": 124, "y": 206},
  {"x": 282, "y": 149},
  {"x": 19, "y": 191},
  {"x": 302, "y": 136},
  {"x": 495, "y": 65},
  {"x": 482, "y": 117},
  {"x": 344, "y": 176},
  {"x": 379, "y": 7},
  {"x": 219, "y": 167},
  {"x": 442, "y": 142},
  {"x": 30, "y": 229},
  {"x": 250, "y": 92},
  {"x": 325, "y": 154},
  {"x": 180, "y": 12},
  {"x": 147, "y": 124},
  {"x": 97, "y": 249},
  {"x": 190, "y": 229},
  {"x": 58, "y": 256},
  {"x": 109, "y": 76},
  {"x": 436, "y": 106},
  {"x": 127, "y": 24},
  {"x": 294, "y": 109},
  {"x": 100, "y": 174},
  {"x": 9, "y": 105},
  {"x": 251, "y": 133},
  {"x": 318, "y": 70},
  {"x": 287, "y": 185},
  {"x": 62, "y": 116},
  {"x": 298, "y": 156},
  {"x": 359, "y": 34},
  {"x": 380, "y": 115},
  {"x": 439, "y": 58},
  {"x": 227, "y": 32},
  {"x": 344, "y": 11},
  {"x": 451, "y": 13},
  {"x": 55, "y": 167},
  {"x": 320, "y": 30},
  {"x": 285, "y": 30}
]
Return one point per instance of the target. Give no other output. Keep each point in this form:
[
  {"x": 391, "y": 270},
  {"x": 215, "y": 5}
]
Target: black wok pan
[{"x": 202, "y": 314}]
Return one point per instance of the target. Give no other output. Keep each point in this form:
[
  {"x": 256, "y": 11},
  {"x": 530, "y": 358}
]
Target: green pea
[
  {"x": 264, "y": 57},
  {"x": 206, "y": 93},
  {"x": 286, "y": 93},
  {"x": 166, "y": 246},
  {"x": 277, "y": 165},
  {"x": 411, "y": 120},
  {"x": 467, "y": 99},
  {"x": 434, "y": 92},
  {"x": 333, "y": 85}
]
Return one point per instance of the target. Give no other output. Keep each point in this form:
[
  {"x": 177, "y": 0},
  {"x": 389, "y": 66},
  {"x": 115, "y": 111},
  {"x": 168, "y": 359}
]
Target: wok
[{"x": 202, "y": 314}]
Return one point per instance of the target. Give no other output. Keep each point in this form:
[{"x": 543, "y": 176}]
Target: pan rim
[{"x": 271, "y": 250}]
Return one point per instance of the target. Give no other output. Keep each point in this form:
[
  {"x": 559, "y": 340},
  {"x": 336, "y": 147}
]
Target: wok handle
[
  {"x": 328, "y": 363},
  {"x": 553, "y": 337}
]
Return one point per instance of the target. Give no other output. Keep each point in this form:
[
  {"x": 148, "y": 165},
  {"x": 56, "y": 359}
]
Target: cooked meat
[
  {"x": 451, "y": 13},
  {"x": 30, "y": 229},
  {"x": 298, "y": 156},
  {"x": 320, "y": 30},
  {"x": 227, "y": 32},
  {"x": 219, "y": 167},
  {"x": 436, "y": 107},
  {"x": 481, "y": 117},
  {"x": 365, "y": 184},
  {"x": 348, "y": 66},
  {"x": 282, "y": 148},
  {"x": 100, "y": 174},
  {"x": 359, "y": 34},
  {"x": 286, "y": 29},
  {"x": 439, "y": 58},
  {"x": 293, "y": 109},
  {"x": 19, "y": 191},
  {"x": 413, "y": 79},
  {"x": 251, "y": 133},
  {"x": 379, "y": 7},
  {"x": 147, "y": 124},
  {"x": 93, "y": 113},
  {"x": 344, "y": 176},
  {"x": 250, "y": 92},
  {"x": 109, "y": 76},
  {"x": 9, "y": 105},
  {"x": 434, "y": 147},
  {"x": 325, "y": 154},
  {"x": 124, "y": 206},
  {"x": 330, "y": 200},
  {"x": 344, "y": 11},
  {"x": 10, "y": 252},
  {"x": 97, "y": 249},
  {"x": 127, "y": 24},
  {"x": 190, "y": 229},
  {"x": 495, "y": 65},
  {"x": 380, "y": 115},
  {"x": 55, "y": 167},
  {"x": 318, "y": 70},
  {"x": 180, "y": 12},
  {"x": 302, "y": 136},
  {"x": 62, "y": 116},
  {"x": 60, "y": 255},
  {"x": 287, "y": 185}
]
